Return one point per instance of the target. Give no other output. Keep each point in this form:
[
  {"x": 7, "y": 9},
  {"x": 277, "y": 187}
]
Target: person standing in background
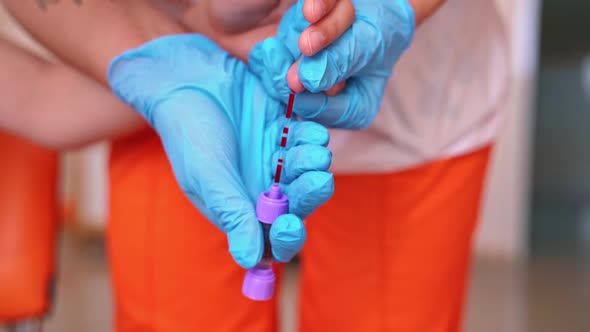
[{"x": 399, "y": 250}]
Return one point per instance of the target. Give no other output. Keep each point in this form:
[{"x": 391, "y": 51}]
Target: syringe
[
  {"x": 284, "y": 135},
  {"x": 259, "y": 282}
]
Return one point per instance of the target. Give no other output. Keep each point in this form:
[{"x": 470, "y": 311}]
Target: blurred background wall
[
  {"x": 503, "y": 231},
  {"x": 560, "y": 200}
]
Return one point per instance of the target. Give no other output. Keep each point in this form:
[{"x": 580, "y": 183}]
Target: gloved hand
[
  {"x": 221, "y": 132},
  {"x": 363, "y": 56}
]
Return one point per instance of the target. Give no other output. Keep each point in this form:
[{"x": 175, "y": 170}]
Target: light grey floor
[{"x": 549, "y": 295}]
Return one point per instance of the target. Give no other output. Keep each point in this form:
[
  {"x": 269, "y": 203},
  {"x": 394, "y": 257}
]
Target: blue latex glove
[
  {"x": 221, "y": 132},
  {"x": 363, "y": 56}
]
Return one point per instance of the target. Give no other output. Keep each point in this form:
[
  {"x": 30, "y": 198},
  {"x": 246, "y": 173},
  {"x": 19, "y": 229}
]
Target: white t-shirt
[{"x": 444, "y": 98}]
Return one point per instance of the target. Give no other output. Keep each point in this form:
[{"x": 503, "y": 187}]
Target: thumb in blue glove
[
  {"x": 221, "y": 133},
  {"x": 363, "y": 56}
]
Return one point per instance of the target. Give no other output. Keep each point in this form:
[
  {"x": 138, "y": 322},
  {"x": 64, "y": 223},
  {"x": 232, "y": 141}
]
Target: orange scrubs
[
  {"x": 28, "y": 225},
  {"x": 388, "y": 252}
]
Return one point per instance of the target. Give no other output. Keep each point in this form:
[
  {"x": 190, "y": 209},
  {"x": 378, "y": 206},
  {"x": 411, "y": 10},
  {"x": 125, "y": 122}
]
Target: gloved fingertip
[
  {"x": 245, "y": 248},
  {"x": 325, "y": 181},
  {"x": 310, "y": 191},
  {"x": 319, "y": 134},
  {"x": 314, "y": 133},
  {"x": 316, "y": 157},
  {"x": 336, "y": 89},
  {"x": 294, "y": 19},
  {"x": 317, "y": 73},
  {"x": 310, "y": 105},
  {"x": 293, "y": 79},
  {"x": 245, "y": 260},
  {"x": 325, "y": 159},
  {"x": 287, "y": 236},
  {"x": 271, "y": 60}
]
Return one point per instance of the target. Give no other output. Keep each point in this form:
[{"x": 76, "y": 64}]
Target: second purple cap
[{"x": 271, "y": 204}]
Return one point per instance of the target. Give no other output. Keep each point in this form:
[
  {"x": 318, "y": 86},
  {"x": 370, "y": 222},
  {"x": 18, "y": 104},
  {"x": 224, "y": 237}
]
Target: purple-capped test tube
[{"x": 259, "y": 283}]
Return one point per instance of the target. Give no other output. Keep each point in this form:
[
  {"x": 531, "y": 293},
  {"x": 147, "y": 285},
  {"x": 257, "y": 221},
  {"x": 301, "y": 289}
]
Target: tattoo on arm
[{"x": 43, "y": 4}]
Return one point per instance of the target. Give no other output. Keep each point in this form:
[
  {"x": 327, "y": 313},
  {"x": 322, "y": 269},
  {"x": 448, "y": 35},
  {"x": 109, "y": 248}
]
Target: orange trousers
[
  {"x": 387, "y": 253},
  {"x": 28, "y": 226}
]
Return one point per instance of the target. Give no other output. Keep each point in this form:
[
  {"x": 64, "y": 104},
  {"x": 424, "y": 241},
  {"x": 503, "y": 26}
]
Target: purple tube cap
[
  {"x": 271, "y": 204},
  {"x": 259, "y": 283}
]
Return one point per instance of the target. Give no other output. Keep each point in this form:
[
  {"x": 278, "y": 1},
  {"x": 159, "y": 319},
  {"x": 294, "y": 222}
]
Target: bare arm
[
  {"x": 90, "y": 35},
  {"x": 70, "y": 105},
  {"x": 55, "y": 105},
  {"x": 58, "y": 106}
]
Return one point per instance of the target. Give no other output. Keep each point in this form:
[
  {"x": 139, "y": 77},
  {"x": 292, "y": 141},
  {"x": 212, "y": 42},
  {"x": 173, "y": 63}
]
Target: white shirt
[{"x": 444, "y": 98}]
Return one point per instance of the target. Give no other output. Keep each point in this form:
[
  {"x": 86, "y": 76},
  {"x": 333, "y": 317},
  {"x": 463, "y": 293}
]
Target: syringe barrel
[
  {"x": 267, "y": 254},
  {"x": 259, "y": 282}
]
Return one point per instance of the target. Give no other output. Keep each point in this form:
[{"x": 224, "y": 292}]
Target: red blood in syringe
[
  {"x": 285, "y": 134},
  {"x": 290, "y": 106},
  {"x": 278, "y": 171}
]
